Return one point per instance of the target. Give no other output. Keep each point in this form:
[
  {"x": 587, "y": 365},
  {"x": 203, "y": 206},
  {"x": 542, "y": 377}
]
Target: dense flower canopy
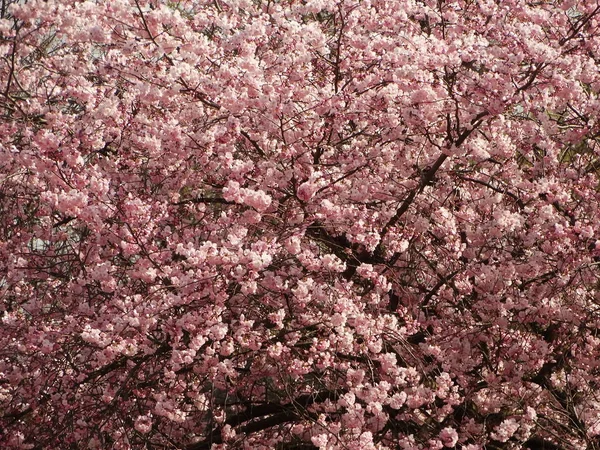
[{"x": 299, "y": 224}]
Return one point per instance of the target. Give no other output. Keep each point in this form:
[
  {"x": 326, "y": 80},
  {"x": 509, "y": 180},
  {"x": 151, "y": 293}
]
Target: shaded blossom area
[{"x": 299, "y": 224}]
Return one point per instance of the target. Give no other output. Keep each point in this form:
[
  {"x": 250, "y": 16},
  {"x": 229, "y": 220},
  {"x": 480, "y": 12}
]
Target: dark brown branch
[
  {"x": 542, "y": 379},
  {"x": 218, "y": 200},
  {"x": 201, "y": 97},
  {"x": 519, "y": 202},
  {"x": 532, "y": 76},
  {"x": 11, "y": 73},
  {"x": 426, "y": 179},
  {"x": 338, "y": 51},
  {"x": 253, "y": 142},
  {"x": 537, "y": 443},
  {"x": 121, "y": 362},
  {"x": 265, "y": 416},
  {"x": 62, "y": 222},
  {"x": 560, "y": 209},
  {"x": 437, "y": 287},
  {"x": 579, "y": 26},
  {"x": 341, "y": 247}
]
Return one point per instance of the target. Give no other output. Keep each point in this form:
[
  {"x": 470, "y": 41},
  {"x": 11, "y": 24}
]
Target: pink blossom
[
  {"x": 320, "y": 440},
  {"x": 169, "y": 278},
  {"x": 143, "y": 424},
  {"x": 505, "y": 430},
  {"x": 259, "y": 200},
  {"x": 398, "y": 400},
  {"x": 306, "y": 190},
  {"x": 449, "y": 437}
]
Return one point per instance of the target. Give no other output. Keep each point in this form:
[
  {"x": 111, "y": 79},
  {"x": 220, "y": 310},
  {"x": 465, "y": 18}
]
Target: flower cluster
[{"x": 328, "y": 224}]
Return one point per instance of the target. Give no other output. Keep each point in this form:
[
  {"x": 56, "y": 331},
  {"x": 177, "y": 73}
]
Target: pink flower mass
[{"x": 300, "y": 224}]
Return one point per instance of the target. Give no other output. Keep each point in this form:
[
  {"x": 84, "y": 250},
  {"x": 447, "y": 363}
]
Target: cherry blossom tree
[{"x": 300, "y": 224}]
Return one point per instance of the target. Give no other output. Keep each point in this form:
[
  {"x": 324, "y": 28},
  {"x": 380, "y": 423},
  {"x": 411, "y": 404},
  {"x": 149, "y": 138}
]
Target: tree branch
[
  {"x": 265, "y": 416},
  {"x": 426, "y": 179}
]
